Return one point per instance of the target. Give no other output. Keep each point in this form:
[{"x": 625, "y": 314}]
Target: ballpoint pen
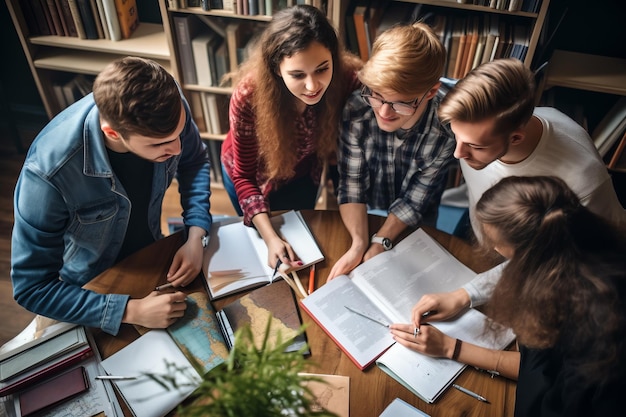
[
  {"x": 470, "y": 393},
  {"x": 164, "y": 286},
  {"x": 116, "y": 377},
  {"x": 278, "y": 264},
  {"x": 367, "y": 317}
]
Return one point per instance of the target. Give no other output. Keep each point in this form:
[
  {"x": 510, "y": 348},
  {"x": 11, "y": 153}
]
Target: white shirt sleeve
[{"x": 481, "y": 287}]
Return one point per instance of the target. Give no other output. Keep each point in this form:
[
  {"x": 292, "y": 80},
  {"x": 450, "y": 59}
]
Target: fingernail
[{"x": 300, "y": 263}]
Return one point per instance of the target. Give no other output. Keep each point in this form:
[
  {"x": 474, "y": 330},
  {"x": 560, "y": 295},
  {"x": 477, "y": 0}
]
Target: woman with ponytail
[{"x": 563, "y": 292}]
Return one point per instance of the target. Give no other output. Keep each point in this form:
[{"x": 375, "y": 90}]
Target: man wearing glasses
[{"x": 393, "y": 151}]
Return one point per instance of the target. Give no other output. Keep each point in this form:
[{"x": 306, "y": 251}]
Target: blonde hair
[
  {"x": 405, "y": 58},
  {"x": 503, "y": 89}
]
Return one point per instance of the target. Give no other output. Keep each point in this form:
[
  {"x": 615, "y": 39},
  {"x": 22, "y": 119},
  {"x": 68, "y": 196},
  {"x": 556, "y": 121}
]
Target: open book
[
  {"x": 275, "y": 302},
  {"x": 194, "y": 339},
  {"x": 237, "y": 255},
  {"x": 386, "y": 287}
]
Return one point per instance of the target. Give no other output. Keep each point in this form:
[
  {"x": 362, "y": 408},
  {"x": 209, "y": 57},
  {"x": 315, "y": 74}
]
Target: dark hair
[
  {"x": 561, "y": 288},
  {"x": 290, "y": 31},
  {"x": 138, "y": 96}
]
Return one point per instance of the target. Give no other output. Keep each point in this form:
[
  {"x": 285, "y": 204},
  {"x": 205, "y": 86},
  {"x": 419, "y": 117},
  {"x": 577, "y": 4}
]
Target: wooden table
[{"x": 370, "y": 391}]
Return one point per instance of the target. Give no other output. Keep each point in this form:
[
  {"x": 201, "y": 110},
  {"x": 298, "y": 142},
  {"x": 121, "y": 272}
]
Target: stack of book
[
  {"x": 86, "y": 19},
  {"x": 55, "y": 372}
]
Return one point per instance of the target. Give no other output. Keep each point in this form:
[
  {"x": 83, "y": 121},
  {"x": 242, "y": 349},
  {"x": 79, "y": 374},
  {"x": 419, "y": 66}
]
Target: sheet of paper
[{"x": 148, "y": 355}]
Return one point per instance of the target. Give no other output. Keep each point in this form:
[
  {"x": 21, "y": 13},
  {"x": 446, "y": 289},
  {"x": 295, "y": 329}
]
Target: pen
[
  {"x": 164, "y": 286},
  {"x": 367, "y": 317},
  {"x": 116, "y": 377},
  {"x": 416, "y": 331},
  {"x": 278, "y": 263},
  {"x": 470, "y": 393},
  {"x": 312, "y": 279}
]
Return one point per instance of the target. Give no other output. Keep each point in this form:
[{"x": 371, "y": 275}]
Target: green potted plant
[{"x": 255, "y": 381}]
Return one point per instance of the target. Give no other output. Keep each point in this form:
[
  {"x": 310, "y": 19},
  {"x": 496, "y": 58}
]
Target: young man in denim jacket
[{"x": 90, "y": 193}]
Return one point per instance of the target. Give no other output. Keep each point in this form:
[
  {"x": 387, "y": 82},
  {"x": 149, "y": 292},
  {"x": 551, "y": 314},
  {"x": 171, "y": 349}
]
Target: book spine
[
  {"x": 96, "y": 18},
  {"x": 68, "y": 18},
  {"x": 45, "y": 373},
  {"x": 78, "y": 21},
  {"x": 86, "y": 15},
  {"x": 113, "y": 22},
  {"x": 127, "y": 16},
  {"x": 183, "y": 34}
]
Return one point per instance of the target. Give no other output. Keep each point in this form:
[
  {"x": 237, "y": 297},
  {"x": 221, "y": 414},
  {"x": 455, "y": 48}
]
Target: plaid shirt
[{"x": 405, "y": 179}]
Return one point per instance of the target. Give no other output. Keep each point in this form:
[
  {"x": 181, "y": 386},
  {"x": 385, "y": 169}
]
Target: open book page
[
  {"x": 363, "y": 340},
  {"x": 294, "y": 230},
  {"x": 232, "y": 263},
  {"x": 151, "y": 354},
  {"x": 237, "y": 255},
  {"x": 395, "y": 280}
]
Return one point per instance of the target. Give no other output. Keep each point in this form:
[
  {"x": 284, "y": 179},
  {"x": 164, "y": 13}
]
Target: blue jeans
[{"x": 230, "y": 189}]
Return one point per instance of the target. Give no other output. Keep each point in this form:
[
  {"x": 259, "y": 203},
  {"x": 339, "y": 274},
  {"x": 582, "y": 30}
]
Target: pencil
[{"x": 312, "y": 279}]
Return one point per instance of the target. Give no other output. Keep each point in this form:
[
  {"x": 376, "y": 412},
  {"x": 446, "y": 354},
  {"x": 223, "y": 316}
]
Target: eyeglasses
[{"x": 405, "y": 108}]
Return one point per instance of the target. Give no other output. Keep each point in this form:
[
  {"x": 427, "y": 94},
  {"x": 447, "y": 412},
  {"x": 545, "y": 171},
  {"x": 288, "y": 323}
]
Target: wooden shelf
[
  {"x": 586, "y": 72},
  {"x": 148, "y": 41},
  {"x": 467, "y": 6},
  {"x": 79, "y": 61}
]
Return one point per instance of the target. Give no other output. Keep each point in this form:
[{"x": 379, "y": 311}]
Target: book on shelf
[
  {"x": 103, "y": 19},
  {"x": 35, "y": 20},
  {"x": 203, "y": 47},
  {"x": 67, "y": 18},
  {"x": 56, "y": 17},
  {"x": 360, "y": 15},
  {"x": 186, "y": 28},
  {"x": 128, "y": 16},
  {"x": 400, "y": 408},
  {"x": 228, "y": 272},
  {"x": 76, "y": 17},
  {"x": 610, "y": 128},
  {"x": 386, "y": 287},
  {"x": 238, "y": 34},
  {"x": 96, "y": 18},
  {"x": 64, "y": 352},
  {"x": 112, "y": 20},
  {"x": 87, "y": 18},
  {"x": 274, "y": 303}
]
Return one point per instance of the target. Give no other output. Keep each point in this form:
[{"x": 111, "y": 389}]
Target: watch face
[{"x": 386, "y": 243}]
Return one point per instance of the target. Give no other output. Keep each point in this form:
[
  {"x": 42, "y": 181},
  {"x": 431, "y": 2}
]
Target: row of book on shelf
[
  {"x": 85, "y": 19},
  {"x": 469, "y": 39},
  {"x": 246, "y": 7},
  {"x": 531, "y": 6},
  {"x": 209, "y": 48}
]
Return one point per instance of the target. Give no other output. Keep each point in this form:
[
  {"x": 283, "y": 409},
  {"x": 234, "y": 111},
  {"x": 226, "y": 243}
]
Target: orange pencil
[{"x": 312, "y": 279}]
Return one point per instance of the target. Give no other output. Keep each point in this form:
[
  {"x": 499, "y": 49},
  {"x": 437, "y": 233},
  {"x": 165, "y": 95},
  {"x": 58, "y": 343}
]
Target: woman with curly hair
[
  {"x": 284, "y": 118},
  {"x": 563, "y": 292}
]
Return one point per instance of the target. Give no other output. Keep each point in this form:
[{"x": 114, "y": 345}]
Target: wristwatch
[
  {"x": 205, "y": 240},
  {"x": 385, "y": 241}
]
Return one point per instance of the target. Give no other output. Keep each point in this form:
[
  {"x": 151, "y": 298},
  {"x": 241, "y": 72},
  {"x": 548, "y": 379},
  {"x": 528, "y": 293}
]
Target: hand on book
[
  {"x": 350, "y": 260},
  {"x": 279, "y": 251},
  {"x": 157, "y": 310},
  {"x": 428, "y": 341},
  {"x": 440, "y": 306}
]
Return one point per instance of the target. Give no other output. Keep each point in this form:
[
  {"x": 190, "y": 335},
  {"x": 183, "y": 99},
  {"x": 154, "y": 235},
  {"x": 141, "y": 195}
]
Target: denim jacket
[{"x": 71, "y": 215}]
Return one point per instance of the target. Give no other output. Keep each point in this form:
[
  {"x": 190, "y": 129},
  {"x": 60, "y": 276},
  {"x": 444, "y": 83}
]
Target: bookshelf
[
  {"x": 598, "y": 74},
  {"x": 53, "y": 59},
  {"x": 461, "y": 19}
]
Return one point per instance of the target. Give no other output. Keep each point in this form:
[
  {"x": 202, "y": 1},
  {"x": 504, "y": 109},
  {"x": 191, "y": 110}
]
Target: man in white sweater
[{"x": 499, "y": 133}]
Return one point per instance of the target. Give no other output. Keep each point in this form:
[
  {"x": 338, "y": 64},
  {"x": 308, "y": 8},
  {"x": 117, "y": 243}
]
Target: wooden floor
[{"x": 14, "y": 318}]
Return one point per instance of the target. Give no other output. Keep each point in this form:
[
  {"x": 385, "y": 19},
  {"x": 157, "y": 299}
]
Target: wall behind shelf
[{"x": 20, "y": 92}]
